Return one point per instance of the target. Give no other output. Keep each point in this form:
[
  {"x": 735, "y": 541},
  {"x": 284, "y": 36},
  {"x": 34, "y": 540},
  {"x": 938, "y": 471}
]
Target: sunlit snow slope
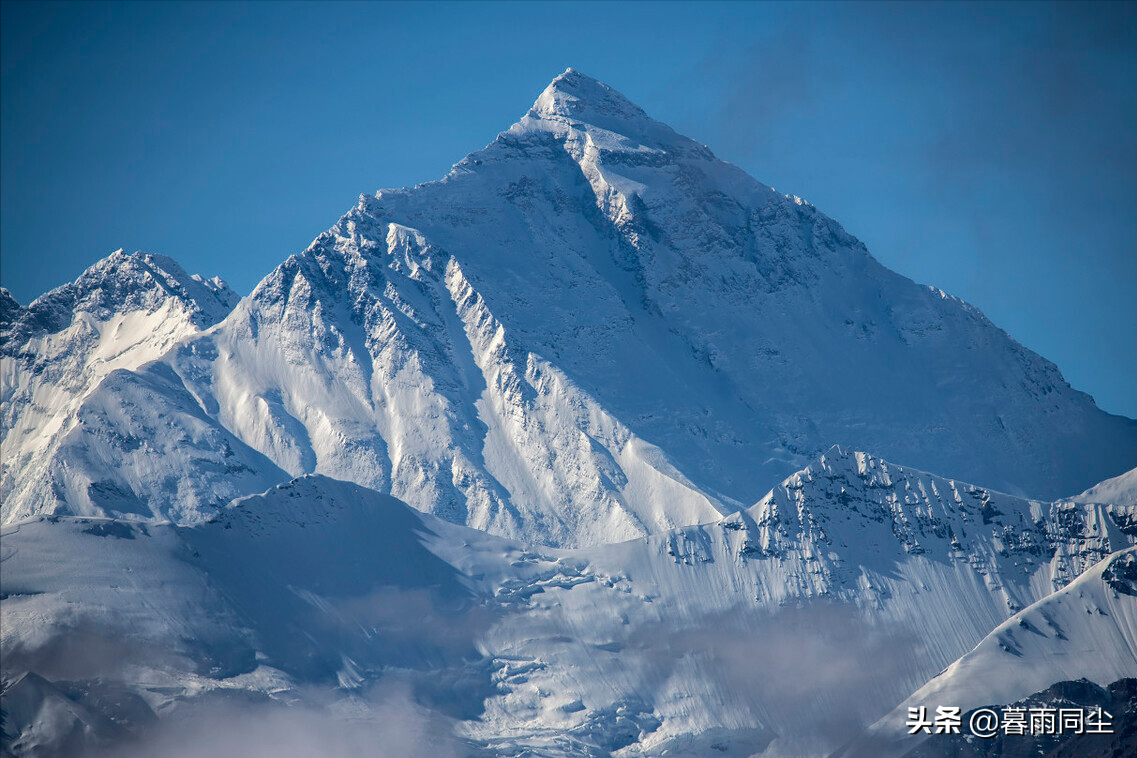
[
  {"x": 1120, "y": 489},
  {"x": 122, "y": 312},
  {"x": 588, "y": 331},
  {"x": 1086, "y": 630}
]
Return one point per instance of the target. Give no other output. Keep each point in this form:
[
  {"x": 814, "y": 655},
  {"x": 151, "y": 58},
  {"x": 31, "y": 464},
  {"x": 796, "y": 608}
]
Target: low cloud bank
[{"x": 384, "y": 723}]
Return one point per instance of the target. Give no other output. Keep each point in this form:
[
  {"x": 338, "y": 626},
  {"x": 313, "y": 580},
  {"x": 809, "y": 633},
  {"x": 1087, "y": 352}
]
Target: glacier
[{"x": 743, "y": 633}]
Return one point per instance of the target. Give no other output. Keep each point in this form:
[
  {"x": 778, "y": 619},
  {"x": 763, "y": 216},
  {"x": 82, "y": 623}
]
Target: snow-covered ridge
[
  {"x": 851, "y": 509},
  {"x": 120, "y": 283},
  {"x": 1086, "y": 630},
  {"x": 122, "y": 312},
  {"x": 583, "y": 110},
  {"x": 1120, "y": 489}
]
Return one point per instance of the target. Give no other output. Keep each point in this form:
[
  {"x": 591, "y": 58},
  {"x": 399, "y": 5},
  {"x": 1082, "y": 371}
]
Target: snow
[
  {"x": 751, "y": 632},
  {"x": 1121, "y": 490},
  {"x": 1086, "y": 630},
  {"x": 547, "y": 446},
  {"x": 123, "y": 312},
  {"x": 590, "y": 330}
]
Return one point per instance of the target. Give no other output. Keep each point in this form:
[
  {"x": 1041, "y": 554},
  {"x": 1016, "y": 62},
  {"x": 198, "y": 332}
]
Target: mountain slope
[
  {"x": 782, "y": 627},
  {"x": 788, "y": 626},
  {"x": 1119, "y": 700},
  {"x": 592, "y": 330},
  {"x": 1086, "y": 630},
  {"x": 1121, "y": 489},
  {"x": 120, "y": 313}
]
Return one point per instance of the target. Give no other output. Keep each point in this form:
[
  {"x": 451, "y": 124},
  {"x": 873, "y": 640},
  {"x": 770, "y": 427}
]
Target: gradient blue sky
[{"x": 987, "y": 149}]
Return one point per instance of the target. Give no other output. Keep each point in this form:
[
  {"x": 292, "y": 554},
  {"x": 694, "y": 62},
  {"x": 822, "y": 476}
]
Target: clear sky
[{"x": 987, "y": 149}]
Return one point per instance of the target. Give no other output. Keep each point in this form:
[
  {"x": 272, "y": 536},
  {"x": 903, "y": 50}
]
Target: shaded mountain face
[{"x": 590, "y": 330}]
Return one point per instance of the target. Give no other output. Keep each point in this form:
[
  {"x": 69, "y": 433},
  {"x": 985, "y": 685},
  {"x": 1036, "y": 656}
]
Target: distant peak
[{"x": 123, "y": 282}]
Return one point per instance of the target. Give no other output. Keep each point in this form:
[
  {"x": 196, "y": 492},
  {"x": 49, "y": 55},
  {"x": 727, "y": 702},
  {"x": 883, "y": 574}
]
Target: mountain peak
[
  {"x": 119, "y": 283},
  {"x": 577, "y": 96},
  {"x": 9, "y": 308},
  {"x": 576, "y": 102},
  {"x": 143, "y": 281}
]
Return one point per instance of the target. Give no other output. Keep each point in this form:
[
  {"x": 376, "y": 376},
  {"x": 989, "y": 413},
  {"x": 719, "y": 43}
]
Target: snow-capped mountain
[
  {"x": 124, "y": 311},
  {"x": 595, "y": 343},
  {"x": 1086, "y": 630},
  {"x": 854, "y": 578},
  {"x": 589, "y": 331}
]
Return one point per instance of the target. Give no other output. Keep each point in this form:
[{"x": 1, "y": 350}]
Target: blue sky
[{"x": 987, "y": 149}]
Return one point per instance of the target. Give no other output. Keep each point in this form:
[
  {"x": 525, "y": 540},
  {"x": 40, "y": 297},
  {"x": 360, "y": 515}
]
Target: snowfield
[{"x": 1086, "y": 630}]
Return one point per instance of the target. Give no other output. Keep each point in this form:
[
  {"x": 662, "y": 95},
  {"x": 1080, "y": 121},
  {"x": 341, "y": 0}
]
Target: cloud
[
  {"x": 815, "y": 674},
  {"x": 85, "y": 649},
  {"x": 387, "y": 723},
  {"x": 411, "y": 657},
  {"x": 775, "y": 78},
  {"x": 753, "y": 89},
  {"x": 1030, "y": 103}
]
